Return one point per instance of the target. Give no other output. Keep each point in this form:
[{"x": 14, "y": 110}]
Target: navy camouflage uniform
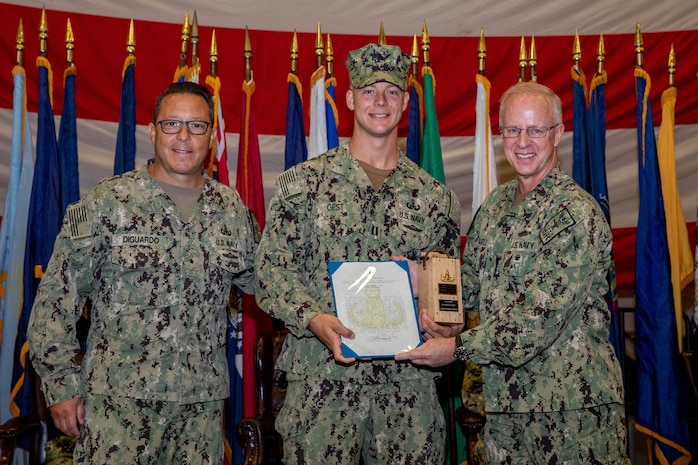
[
  {"x": 537, "y": 273},
  {"x": 158, "y": 288},
  {"x": 326, "y": 209}
]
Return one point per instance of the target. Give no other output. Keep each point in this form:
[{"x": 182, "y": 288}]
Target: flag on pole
[
  {"x": 415, "y": 118},
  {"x": 43, "y": 224},
  {"x": 125, "y": 156},
  {"x": 484, "y": 166},
  {"x": 661, "y": 410},
  {"x": 251, "y": 189},
  {"x": 680, "y": 252},
  {"x": 317, "y": 137},
  {"x": 219, "y": 153},
  {"x": 431, "y": 159},
  {"x": 68, "y": 142},
  {"x": 580, "y": 152},
  {"x": 13, "y": 234},
  {"x": 331, "y": 113},
  {"x": 295, "y": 148}
]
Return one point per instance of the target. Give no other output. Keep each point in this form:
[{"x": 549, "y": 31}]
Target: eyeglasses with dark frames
[{"x": 173, "y": 126}]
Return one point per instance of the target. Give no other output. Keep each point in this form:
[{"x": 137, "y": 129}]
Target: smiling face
[
  {"x": 531, "y": 158},
  {"x": 377, "y": 107},
  {"x": 179, "y": 157}
]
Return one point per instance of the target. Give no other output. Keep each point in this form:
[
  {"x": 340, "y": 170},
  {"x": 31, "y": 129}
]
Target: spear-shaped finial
[
  {"x": 415, "y": 56},
  {"x": 533, "y": 59},
  {"x": 481, "y": 54},
  {"x": 672, "y": 66},
  {"x": 194, "y": 40},
  {"x": 294, "y": 53},
  {"x": 523, "y": 60},
  {"x": 69, "y": 43},
  {"x": 213, "y": 55},
  {"x": 248, "y": 56},
  {"x": 577, "y": 51},
  {"x": 131, "y": 40},
  {"x": 185, "y": 39},
  {"x": 600, "y": 55},
  {"x": 425, "y": 44},
  {"x": 19, "y": 44},
  {"x": 329, "y": 57},
  {"x": 319, "y": 47},
  {"x": 381, "y": 35},
  {"x": 43, "y": 34},
  {"x": 639, "y": 46}
]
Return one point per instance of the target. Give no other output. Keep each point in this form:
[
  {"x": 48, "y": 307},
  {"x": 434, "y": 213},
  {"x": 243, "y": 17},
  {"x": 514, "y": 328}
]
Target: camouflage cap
[{"x": 375, "y": 62}]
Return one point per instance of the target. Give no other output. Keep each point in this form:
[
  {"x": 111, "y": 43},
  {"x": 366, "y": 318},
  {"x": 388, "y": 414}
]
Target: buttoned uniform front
[
  {"x": 158, "y": 288},
  {"x": 326, "y": 210},
  {"x": 537, "y": 273}
]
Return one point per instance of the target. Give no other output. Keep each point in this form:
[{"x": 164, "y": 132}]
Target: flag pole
[
  {"x": 671, "y": 66},
  {"x": 184, "y": 39},
  {"x": 69, "y": 44},
  {"x": 523, "y": 60},
  {"x": 319, "y": 47},
  {"x": 43, "y": 34},
  {"x": 294, "y": 53},
  {"x": 248, "y": 56},
  {"x": 194, "y": 41},
  {"x": 19, "y": 44},
  {"x": 381, "y": 35},
  {"x": 639, "y": 46},
  {"x": 600, "y": 56},
  {"x": 532, "y": 60},
  {"x": 577, "y": 52},
  {"x": 481, "y": 54},
  {"x": 426, "y": 46},
  {"x": 329, "y": 57}
]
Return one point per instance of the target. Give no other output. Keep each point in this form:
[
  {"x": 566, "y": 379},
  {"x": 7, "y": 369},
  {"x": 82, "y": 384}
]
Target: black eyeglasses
[
  {"x": 534, "y": 132},
  {"x": 173, "y": 126}
]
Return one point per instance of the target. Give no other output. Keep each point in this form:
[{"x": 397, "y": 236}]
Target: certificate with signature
[{"x": 374, "y": 299}]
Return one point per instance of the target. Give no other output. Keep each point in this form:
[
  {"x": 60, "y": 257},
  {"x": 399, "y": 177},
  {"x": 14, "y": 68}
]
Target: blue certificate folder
[{"x": 375, "y": 300}]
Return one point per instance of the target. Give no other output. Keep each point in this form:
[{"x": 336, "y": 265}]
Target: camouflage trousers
[
  {"x": 595, "y": 435},
  {"x": 332, "y": 422},
  {"x": 123, "y": 430}
]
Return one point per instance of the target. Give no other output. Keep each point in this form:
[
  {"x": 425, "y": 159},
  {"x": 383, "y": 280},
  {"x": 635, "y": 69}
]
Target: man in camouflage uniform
[
  {"x": 536, "y": 265},
  {"x": 359, "y": 202},
  {"x": 155, "y": 250}
]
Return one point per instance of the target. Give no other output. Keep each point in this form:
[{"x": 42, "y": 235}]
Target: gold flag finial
[
  {"x": 415, "y": 56},
  {"x": 194, "y": 40},
  {"x": 294, "y": 53},
  {"x": 600, "y": 55},
  {"x": 69, "y": 43},
  {"x": 329, "y": 56},
  {"x": 19, "y": 44},
  {"x": 576, "y": 50},
  {"x": 43, "y": 34},
  {"x": 319, "y": 47},
  {"x": 639, "y": 46},
  {"x": 425, "y": 44},
  {"x": 381, "y": 35},
  {"x": 533, "y": 59},
  {"x": 481, "y": 53},
  {"x": 672, "y": 66},
  {"x": 185, "y": 39},
  {"x": 131, "y": 40},
  {"x": 523, "y": 60},
  {"x": 248, "y": 56},
  {"x": 213, "y": 55}
]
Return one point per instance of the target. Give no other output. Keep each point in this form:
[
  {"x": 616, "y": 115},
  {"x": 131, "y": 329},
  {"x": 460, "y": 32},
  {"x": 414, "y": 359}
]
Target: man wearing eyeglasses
[
  {"x": 155, "y": 251},
  {"x": 535, "y": 267}
]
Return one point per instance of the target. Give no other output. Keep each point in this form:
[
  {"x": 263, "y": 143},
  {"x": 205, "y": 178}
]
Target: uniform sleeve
[
  {"x": 59, "y": 305},
  {"x": 280, "y": 287},
  {"x": 251, "y": 233},
  {"x": 550, "y": 288}
]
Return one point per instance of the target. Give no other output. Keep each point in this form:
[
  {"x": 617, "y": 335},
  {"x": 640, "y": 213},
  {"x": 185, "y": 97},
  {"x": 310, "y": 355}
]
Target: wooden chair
[{"x": 261, "y": 444}]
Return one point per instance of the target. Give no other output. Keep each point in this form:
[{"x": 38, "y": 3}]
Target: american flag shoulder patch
[
  {"x": 76, "y": 216},
  {"x": 288, "y": 184}
]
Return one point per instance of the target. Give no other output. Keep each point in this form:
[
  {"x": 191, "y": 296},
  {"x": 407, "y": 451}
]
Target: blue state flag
[
  {"x": 125, "y": 153},
  {"x": 414, "y": 120},
  {"x": 296, "y": 148},
  {"x": 68, "y": 143},
  {"x": 661, "y": 409},
  {"x": 331, "y": 113}
]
